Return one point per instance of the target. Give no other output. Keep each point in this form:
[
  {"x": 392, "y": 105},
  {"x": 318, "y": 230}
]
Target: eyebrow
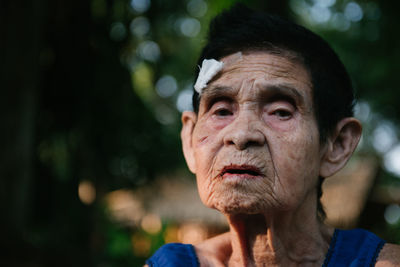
[
  {"x": 284, "y": 90},
  {"x": 217, "y": 91},
  {"x": 278, "y": 90}
]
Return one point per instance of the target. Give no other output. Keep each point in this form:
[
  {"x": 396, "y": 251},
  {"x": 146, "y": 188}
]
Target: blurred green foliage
[{"x": 92, "y": 90}]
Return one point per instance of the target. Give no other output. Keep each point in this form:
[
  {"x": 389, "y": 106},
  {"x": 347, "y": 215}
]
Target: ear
[
  {"x": 340, "y": 146},
  {"x": 189, "y": 119}
]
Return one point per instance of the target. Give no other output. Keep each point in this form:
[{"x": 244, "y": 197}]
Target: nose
[{"x": 244, "y": 132}]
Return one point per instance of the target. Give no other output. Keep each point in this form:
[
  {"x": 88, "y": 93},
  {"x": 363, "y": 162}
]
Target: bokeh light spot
[
  {"x": 192, "y": 233},
  {"x": 142, "y": 79},
  {"x": 140, "y": 26},
  {"x": 320, "y": 14},
  {"x": 151, "y": 223},
  {"x": 189, "y": 27},
  {"x": 325, "y": 3},
  {"x": 166, "y": 86},
  {"x": 299, "y": 7},
  {"x": 140, "y": 6},
  {"x": 391, "y": 160},
  {"x": 86, "y": 192},
  {"x": 184, "y": 101},
  {"x": 384, "y": 137},
  {"x": 124, "y": 207},
  {"x": 353, "y": 12},
  {"x": 197, "y": 8},
  {"x": 149, "y": 50},
  {"x": 362, "y": 111},
  {"x": 392, "y": 213}
]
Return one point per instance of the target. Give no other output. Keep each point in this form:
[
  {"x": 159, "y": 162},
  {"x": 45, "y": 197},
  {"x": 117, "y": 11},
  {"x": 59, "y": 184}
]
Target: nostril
[
  {"x": 244, "y": 133},
  {"x": 253, "y": 143},
  {"x": 244, "y": 140},
  {"x": 230, "y": 142}
]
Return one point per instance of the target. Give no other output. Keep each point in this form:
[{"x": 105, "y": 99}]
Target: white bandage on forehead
[{"x": 209, "y": 68}]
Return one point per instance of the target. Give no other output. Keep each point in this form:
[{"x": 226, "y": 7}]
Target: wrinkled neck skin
[{"x": 278, "y": 239}]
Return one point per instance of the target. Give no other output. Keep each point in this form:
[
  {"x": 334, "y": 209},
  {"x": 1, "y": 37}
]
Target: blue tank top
[
  {"x": 353, "y": 248},
  {"x": 174, "y": 255},
  {"x": 350, "y": 248}
]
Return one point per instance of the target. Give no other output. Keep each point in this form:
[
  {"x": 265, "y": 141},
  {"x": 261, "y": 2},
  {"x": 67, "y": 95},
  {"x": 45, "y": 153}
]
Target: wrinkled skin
[
  {"x": 254, "y": 147},
  {"x": 257, "y": 113}
]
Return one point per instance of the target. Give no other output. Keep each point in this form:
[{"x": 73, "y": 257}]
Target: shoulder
[
  {"x": 389, "y": 256},
  {"x": 214, "y": 251},
  {"x": 350, "y": 247},
  {"x": 174, "y": 254}
]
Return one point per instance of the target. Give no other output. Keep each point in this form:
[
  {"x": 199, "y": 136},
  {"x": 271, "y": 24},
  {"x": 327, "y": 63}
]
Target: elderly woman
[{"x": 272, "y": 118}]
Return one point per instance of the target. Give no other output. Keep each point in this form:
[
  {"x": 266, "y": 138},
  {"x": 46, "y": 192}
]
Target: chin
[
  {"x": 237, "y": 206},
  {"x": 241, "y": 198}
]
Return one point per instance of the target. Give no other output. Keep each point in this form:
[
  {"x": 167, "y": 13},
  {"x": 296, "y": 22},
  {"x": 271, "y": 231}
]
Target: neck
[{"x": 278, "y": 239}]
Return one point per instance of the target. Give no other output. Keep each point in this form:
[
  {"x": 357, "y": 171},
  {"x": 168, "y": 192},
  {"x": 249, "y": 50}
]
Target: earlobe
[
  {"x": 189, "y": 119},
  {"x": 340, "y": 146}
]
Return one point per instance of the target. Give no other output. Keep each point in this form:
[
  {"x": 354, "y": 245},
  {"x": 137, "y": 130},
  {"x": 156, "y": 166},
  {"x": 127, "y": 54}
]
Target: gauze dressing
[{"x": 209, "y": 68}]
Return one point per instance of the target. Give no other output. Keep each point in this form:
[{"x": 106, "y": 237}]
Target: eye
[
  {"x": 222, "y": 112},
  {"x": 281, "y": 110},
  {"x": 283, "y": 114},
  {"x": 222, "y": 108}
]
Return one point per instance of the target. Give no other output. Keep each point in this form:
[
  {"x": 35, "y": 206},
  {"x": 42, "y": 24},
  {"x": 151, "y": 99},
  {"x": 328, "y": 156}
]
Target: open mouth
[{"x": 245, "y": 171}]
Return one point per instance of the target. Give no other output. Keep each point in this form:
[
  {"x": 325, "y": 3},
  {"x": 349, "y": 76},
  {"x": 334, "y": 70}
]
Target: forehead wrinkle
[
  {"x": 276, "y": 66},
  {"x": 274, "y": 73},
  {"x": 279, "y": 64}
]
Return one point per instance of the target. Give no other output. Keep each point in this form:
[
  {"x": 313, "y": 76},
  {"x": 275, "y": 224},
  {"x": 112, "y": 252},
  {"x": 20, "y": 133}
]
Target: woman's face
[{"x": 254, "y": 145}]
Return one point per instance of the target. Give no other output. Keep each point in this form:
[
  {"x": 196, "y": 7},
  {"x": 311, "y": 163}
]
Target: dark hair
[{"x": 242, "y": 29}]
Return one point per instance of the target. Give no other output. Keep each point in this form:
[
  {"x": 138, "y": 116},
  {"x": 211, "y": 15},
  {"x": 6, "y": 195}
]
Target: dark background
[{"x": 78, "y": 102}]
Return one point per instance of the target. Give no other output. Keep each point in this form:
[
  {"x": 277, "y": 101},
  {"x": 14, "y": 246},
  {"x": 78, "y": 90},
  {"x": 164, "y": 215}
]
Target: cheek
[
  {"x": 216, "y": 123},
  {"x": 297, "y": 157},
  {"x": 205, "y": 143},
  {"x": 202, "y": 138},
  {"x": 280, "y": 125},
  {"x": 206, "y": 131},
  {"x": 299, "y": 160}
]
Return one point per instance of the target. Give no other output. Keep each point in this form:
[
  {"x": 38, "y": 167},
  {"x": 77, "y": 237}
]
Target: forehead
[{"x": 260, "y": 69}]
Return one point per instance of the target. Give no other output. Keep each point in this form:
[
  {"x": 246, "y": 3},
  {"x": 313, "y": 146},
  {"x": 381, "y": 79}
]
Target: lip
[{"x": 240, "y": 171}]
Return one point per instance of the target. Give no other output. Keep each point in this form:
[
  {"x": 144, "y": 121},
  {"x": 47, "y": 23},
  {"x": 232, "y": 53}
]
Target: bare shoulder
[
  {"x": 214, "y": 251},
  {"x": 389, "y": 256}
]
